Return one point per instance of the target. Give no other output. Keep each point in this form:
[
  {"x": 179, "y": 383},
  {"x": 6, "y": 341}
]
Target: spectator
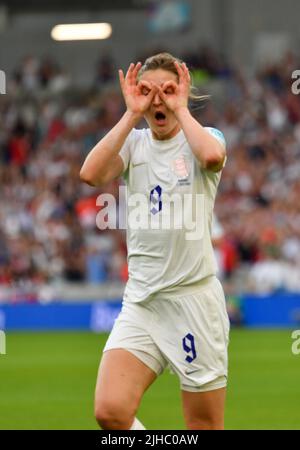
[{"x": 48, "y": 226}]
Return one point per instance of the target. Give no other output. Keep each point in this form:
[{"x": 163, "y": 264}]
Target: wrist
[
  {"x": 181, "y": 112},
  {"x": 133, "y": 116}
]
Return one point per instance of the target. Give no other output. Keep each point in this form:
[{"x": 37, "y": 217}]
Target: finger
[
  {"x": 128, "y": 77},
  {"x": 170, "y": 84},
  {"x": 121, "y": 78},
  {"x": 162, "y": 95},
  {"x": 144, "y": 88},
  {"x": 186, "y": 72},
  {"x": 136, "y": 69},
  {"x": 179, "y": 69},
  {"x": 152, "y": 93},
  {"x": 170, "y": 87},
  {"x": 130, "y": 69},
  {"x": 144, "y": 83},
  {"x": 132, "y": 75}
]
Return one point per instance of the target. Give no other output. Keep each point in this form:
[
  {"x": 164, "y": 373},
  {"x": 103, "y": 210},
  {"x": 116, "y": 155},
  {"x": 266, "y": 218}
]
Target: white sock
[{"x": 137, "y": 425}]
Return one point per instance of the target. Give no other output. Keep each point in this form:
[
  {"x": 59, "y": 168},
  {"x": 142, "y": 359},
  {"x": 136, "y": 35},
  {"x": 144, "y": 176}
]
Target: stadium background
[{"x": 59, "y": 272}]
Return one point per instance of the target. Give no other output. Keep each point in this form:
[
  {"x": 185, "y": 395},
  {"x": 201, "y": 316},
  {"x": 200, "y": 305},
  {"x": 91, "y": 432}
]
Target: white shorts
[{"x": 189, "y": 332}]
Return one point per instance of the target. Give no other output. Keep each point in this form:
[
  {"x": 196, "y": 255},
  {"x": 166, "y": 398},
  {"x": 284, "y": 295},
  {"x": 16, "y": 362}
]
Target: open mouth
[{"x": 160, "y": 117}]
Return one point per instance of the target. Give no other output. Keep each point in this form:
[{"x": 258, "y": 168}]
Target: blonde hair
[{"x": 166, "y": 61}]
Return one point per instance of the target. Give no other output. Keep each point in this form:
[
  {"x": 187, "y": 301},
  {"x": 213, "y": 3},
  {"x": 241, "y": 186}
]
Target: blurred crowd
[{"x": 48, "y": 231}]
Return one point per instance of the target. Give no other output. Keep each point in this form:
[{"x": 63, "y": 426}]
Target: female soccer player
[{"x": 173, "y": 310}]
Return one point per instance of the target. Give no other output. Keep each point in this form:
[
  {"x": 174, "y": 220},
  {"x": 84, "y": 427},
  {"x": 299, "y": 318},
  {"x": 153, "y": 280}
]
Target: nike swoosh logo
[
  {"x": 189, "y": 372},
  {"x": 138, "y": 164}
]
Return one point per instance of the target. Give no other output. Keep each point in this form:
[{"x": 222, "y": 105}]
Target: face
[{"x": 160, "y": 119}]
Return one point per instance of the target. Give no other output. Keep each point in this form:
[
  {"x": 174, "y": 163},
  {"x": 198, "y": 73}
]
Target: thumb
[
  {"x": 153, "y": 91},
  {"x": 162, "y": 94}
]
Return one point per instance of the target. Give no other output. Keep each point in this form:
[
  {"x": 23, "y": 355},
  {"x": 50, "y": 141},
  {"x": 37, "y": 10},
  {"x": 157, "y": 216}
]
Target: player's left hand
[{"x": 175, "y": 95}]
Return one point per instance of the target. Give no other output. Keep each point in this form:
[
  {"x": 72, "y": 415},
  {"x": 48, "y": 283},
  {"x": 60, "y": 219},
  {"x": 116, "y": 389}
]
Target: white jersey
[{"x": 166, "y": 256}]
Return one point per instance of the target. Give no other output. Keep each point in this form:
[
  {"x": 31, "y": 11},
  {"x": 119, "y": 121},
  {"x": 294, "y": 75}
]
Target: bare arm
[{"x": 103, "y": 163}]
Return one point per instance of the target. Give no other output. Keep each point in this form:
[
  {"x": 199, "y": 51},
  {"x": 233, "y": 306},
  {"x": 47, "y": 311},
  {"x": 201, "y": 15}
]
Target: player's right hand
[{"x": 137, "y": 95}]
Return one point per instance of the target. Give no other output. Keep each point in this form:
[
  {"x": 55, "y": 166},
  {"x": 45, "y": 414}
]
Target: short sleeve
[
  {"x": 217, "y": 134},
  {"x": 125, "y": 151},
  {"x": 220, "y": 138}
]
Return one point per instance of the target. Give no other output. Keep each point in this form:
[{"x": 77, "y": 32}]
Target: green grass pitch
[{"x": 47, "y": 382}]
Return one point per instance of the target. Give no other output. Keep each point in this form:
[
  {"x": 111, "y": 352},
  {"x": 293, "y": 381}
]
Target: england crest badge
[{"x": 181, "y": 168}]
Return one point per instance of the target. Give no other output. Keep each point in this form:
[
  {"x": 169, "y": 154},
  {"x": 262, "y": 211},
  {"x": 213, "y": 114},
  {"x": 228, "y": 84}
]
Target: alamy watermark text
[
  {"x": 296, "y": 83},
  {"x": 296, "y": 342}
]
